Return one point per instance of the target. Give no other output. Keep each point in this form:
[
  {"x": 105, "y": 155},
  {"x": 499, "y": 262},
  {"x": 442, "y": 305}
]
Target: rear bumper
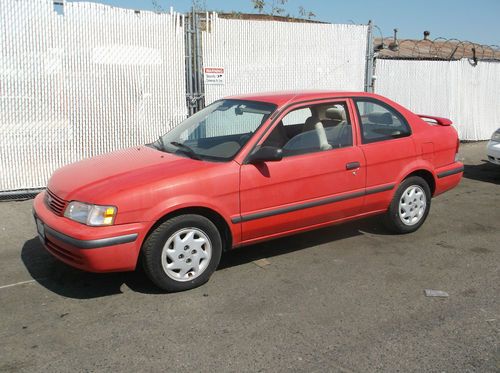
[
  {"x": 93, "y": 249},
  {"x": 493, "y": 152},
  {"x": 448, "y": 177}
]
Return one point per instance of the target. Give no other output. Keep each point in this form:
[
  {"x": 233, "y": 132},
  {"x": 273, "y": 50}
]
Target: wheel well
[
  {"x": 427, "y": 176},
  {"x": 214, "y": 217}
]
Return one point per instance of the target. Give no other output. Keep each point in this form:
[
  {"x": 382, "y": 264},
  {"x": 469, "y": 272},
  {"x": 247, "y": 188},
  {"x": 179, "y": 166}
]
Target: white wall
[
  {"x": 87, "y": 82},
  {"x": 468, "y": 95},
  {"x": 271, "y": 55}
]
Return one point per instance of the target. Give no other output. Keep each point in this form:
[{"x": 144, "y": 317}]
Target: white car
[{"x": 493, "y": 149}]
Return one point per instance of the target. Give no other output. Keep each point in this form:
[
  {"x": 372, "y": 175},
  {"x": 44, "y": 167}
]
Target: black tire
[
  {"x": 153, "y": 247},
  {"x": 392, "y": 220}
]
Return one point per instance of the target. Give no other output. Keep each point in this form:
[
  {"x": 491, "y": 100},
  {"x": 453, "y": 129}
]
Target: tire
[
  {"x": 182, "y": 253},
  {"x": 410, "y": 206}
]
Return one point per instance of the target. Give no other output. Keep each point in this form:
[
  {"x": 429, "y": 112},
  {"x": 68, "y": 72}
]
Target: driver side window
[{"x": 312, "y": 129}]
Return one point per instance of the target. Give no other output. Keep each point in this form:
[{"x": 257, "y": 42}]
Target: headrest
[
  {"x": 335, "y": 114},
  {"x": 311, "y": 121},
  {"x": 380, "y": 118}
]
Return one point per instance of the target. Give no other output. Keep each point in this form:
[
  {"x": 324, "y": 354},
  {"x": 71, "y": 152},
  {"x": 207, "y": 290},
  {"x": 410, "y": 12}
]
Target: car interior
[
  {"x": 305, "y": 130},
  {"x": 312, "y": 129},
  {"x": 378, "y": 123}
]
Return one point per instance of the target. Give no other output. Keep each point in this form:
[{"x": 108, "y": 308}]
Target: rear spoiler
[{"x": 438, "y": 120}]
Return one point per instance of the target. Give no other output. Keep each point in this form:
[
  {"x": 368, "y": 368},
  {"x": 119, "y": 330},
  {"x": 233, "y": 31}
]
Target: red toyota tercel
[{"x": 246, "y": 169}]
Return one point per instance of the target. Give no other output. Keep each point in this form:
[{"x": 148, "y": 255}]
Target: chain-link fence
[
  {"x": 261, "y": 55},
  {"x": 451, "y": 78},
  {"x": 82, "y": 83},
  {"x": 460, "y": 90},
  {"x": 97, "y": 78}
]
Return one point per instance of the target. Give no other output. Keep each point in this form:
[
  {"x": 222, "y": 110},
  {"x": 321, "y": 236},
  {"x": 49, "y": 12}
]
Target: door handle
[{"x": 352, "y": 165}]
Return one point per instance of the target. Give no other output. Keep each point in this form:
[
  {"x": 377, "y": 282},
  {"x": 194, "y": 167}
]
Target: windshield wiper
[{"x": 186, "y": 150}]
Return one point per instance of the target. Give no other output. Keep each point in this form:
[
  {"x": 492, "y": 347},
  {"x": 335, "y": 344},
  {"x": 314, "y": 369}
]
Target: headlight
[
  {"x": 93, "y": 215},
  {"x": 496, "y": 135}
]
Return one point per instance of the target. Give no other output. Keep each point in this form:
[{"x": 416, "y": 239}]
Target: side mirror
[{"x": 266, "y": 154}]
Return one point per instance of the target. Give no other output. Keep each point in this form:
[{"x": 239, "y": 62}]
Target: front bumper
[
  {"x": 94, "y": 249},
  {"x": 493, "y": 152}
]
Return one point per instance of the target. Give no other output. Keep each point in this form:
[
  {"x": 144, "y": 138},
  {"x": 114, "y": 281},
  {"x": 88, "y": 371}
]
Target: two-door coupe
[{"x": 243, "y": 170}]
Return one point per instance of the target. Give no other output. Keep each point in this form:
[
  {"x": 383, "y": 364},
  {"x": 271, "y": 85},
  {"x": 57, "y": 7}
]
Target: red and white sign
[{"x": 213, "y": 75}]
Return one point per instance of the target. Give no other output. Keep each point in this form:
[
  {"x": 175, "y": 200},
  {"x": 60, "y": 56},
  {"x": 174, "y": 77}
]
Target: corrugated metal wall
[
  {"x": 87, "y": 82},
  {"x": 468, "y": 95},
  {"x": 271, "y": 55}
]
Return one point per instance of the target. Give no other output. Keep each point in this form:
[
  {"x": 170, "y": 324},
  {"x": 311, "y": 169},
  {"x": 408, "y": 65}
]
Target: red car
[{"x": 243, "y": 170}]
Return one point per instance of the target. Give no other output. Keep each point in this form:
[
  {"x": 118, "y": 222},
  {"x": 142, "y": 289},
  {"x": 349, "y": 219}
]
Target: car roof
[{"x": 285, "y": 97}]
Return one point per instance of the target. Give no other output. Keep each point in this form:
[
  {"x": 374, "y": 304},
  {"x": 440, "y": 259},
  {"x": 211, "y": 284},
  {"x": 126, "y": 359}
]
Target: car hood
[{"x": 99, "y": 179}]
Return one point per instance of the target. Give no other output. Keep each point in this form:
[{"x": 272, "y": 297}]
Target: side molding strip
[
  {"x": 450, "y": 172},
  {"x": 306, "y": 205}
]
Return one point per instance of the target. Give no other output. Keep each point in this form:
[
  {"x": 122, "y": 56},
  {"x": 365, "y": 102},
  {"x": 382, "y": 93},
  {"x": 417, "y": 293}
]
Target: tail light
[{"x": 456, "y": 150}]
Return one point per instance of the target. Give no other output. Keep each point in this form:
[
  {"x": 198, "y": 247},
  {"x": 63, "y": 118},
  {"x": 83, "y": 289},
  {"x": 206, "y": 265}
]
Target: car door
[
  {"x": 315, "y": 182},
  {"x": 387, "y": 146}
]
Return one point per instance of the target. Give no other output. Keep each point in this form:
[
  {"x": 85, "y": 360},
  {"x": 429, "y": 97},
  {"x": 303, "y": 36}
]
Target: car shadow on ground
[
  {"x": 73, "y": 283},
  {"x": 486, "y": 172}
]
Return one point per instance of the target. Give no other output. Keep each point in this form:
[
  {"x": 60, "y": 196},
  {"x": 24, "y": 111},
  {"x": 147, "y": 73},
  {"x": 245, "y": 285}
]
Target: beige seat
[
  {"x": 314, "y": 124},
  {"x": 338, "y": 131}
]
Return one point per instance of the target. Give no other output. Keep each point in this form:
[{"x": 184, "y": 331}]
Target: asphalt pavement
[{"x": 349, "y": 298}]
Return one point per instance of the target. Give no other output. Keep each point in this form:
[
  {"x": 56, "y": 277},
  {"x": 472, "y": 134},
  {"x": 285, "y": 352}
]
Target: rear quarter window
[{"x": 380, "y": 122}]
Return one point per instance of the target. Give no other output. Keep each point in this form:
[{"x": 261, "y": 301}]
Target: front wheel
[
  {"x": 410, "y": 206},
  {"x": 182, "y": 253}
]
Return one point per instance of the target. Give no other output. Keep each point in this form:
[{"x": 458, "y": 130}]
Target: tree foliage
[{"x": 278, "y": 8}]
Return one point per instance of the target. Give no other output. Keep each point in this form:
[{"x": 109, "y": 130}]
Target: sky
[{"x": 473, "y": 20}]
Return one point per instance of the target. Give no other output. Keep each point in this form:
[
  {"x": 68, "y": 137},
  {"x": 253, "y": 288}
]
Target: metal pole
[
  {"x": 195, "y": 59},
  {"x": 370, "y": 56},
  {"x": 199, "y": 59},
  {"x": 189, "y": 66}
]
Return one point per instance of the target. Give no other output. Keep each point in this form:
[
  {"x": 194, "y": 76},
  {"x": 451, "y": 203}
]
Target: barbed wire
[{"x": 436, "y": 49}]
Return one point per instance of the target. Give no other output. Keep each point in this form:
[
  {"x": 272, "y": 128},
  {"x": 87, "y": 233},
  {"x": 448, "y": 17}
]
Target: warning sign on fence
[{"x": 213, "y": 75}]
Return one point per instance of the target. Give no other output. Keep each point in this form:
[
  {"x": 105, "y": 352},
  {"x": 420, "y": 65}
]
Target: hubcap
[
  {"x": 412, "y": 205},
  {"x": 186, "y": 254}
]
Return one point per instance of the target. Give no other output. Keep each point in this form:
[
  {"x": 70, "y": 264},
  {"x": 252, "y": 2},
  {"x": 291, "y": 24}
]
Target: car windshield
[{"x": 218, "y": 131}]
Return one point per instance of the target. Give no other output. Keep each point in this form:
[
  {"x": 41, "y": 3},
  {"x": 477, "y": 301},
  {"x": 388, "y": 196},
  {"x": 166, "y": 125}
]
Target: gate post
[
  {"x": 370, "y": 57},
  {"x": 194, "y": 64}
]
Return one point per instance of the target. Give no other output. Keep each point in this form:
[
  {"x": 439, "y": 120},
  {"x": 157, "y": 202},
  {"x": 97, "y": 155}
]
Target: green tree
[
  {"x": 277, "y": 7},
  {"x": 303, "y": 13},
  {"x": 259, "y": 5}
]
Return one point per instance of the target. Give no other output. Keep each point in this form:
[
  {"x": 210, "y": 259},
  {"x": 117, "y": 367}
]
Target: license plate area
[{"x": 40, "y": 229}]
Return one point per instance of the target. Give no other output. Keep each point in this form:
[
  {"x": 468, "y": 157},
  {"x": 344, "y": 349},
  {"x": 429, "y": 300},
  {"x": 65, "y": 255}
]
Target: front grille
[{"x": 56, "y": 204}]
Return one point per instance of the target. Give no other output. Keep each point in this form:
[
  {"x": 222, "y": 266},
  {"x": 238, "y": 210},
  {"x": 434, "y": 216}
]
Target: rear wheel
[
  {"x": 410, "y": 206},
  {"x": 182, "y": 253}
]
